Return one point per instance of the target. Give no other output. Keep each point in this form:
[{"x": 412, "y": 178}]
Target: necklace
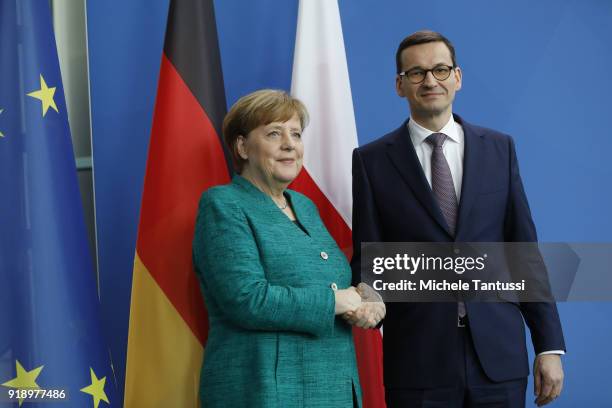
[{"x": 282, "y": 207}]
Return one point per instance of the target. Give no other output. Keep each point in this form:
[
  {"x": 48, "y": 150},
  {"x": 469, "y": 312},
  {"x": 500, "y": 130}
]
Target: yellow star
[
  {"x": 1, "y": 134},
  {"x": 25, "y": 379},
  {"x": 96, "y": 389},
  {"x": 45, "y": 94}
]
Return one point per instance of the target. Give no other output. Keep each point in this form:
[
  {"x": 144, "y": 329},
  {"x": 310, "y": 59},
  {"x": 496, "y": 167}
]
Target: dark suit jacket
[{"x": 392, "y": 201}]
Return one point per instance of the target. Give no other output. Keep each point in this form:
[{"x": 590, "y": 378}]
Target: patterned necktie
[
  {"x": 444, "y": 190},
  {"x": 442, "y": 181}
]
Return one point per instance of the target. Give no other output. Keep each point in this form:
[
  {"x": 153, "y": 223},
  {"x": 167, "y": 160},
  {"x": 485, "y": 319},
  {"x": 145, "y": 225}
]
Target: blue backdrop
[{"x": 536, "y": 70}]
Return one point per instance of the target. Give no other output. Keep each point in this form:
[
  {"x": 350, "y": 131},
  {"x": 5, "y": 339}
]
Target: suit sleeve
[
  {"x": 542, "y": 318},
  {"x": 227, "y": 258},
  {"x": 366, "y": 226}
]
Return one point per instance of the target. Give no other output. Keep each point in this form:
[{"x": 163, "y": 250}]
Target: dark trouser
[{"x": 474, "y": 389}]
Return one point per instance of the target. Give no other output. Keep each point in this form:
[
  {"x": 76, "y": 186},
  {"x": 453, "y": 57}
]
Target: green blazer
[{"x": 273, "y": 339}]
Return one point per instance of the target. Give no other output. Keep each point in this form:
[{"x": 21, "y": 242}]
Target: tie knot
[{"x": 436, "y": 139}]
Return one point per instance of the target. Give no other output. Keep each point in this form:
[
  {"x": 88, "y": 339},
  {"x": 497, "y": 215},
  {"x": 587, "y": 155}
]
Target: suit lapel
[
  {"x": 403, "y": 156},
  {"x": 263, "y": 203},
  {"x": 472, "y": 173},
  {"x": 301, "y": 214}
]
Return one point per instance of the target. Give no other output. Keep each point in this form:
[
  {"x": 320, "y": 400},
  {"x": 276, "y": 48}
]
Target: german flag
[{"x": 168, "y": 323}]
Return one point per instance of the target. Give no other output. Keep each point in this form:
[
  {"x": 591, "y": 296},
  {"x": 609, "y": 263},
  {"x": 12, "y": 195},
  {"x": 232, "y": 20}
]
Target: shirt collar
[{"x": 418, "y": 133}]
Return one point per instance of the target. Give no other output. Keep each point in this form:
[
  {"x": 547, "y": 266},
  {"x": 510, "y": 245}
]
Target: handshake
[{"x": 361, "y": 306}]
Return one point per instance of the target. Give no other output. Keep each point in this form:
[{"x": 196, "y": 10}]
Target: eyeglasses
[{"x": 417, "y": 75}]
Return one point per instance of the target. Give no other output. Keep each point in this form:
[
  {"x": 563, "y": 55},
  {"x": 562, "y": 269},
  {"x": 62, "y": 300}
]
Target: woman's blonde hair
[{"x": 256, "y": 109}]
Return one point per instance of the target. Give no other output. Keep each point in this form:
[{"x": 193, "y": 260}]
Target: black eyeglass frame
[{"x": 426, "y": 71}]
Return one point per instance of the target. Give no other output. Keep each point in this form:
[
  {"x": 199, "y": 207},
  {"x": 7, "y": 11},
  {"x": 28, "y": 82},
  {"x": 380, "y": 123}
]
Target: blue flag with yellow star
[{"x": 52, "y": 351}]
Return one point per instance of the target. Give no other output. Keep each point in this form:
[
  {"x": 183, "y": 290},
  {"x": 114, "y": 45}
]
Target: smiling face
[
  {"x": 432, "y": 97},
  {"x": 273, "y": 153}
]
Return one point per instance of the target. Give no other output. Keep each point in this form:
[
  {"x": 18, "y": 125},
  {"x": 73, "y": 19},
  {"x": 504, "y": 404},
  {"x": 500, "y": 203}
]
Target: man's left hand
[{"x": 547, "y": 378}]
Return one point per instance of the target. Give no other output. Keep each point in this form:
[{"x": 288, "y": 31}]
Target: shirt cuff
[{"x": 558, "y": 352}]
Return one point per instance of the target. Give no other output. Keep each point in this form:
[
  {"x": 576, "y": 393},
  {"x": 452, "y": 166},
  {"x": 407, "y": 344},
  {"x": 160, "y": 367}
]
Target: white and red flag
[{"x": 321, "y": 80}]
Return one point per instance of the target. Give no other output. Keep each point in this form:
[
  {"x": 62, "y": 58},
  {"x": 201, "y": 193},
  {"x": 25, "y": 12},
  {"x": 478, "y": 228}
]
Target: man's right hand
[
  {"x": 367, "y": 316},
  {"x": 371, "y": 311}
]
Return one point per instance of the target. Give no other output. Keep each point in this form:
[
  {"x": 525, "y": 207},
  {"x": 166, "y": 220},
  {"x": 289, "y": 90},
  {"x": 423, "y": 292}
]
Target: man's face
[{"x": 431, "y": 97}]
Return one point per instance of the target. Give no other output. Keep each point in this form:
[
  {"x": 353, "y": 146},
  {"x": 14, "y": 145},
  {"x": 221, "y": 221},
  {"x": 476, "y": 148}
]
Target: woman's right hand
[{"x": 347, "y": 300}]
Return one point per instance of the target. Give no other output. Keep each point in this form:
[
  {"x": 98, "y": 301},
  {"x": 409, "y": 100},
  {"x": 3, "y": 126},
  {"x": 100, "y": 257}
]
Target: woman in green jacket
[{"x": 275, "y": 283}]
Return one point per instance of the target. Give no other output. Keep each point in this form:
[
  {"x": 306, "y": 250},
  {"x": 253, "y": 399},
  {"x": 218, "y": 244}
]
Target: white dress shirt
[{"x": 453, "y": 148}]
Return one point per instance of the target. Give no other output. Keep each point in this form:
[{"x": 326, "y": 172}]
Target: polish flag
[{"x": 320, "y": 79}]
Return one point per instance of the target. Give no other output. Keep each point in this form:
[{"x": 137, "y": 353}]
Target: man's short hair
[
  {"x": 256, "y": 109},
  {"x": 422, "y": 37}
]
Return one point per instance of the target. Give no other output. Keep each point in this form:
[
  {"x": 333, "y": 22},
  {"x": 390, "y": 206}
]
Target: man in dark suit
[{"x": 438, "y": 178}]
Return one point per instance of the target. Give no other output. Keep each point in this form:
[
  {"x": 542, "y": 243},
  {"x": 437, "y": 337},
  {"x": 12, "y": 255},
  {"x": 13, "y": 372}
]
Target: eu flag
[{"x": 51, "y": 346}]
